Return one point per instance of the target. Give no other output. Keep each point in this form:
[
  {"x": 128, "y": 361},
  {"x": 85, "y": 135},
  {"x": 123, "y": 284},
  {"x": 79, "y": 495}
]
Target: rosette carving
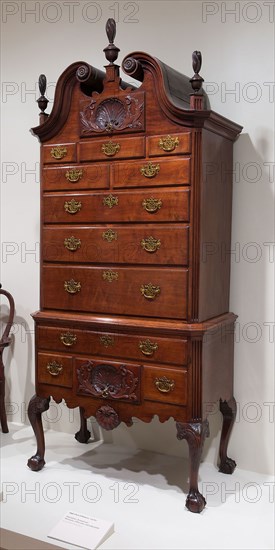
[{"x": 107, "y": 417}]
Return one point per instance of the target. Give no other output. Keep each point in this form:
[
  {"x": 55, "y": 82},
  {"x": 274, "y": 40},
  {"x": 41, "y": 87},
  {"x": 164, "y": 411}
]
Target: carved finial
[
  {"x": 111, "y": 51},
  {"x": 196, "y": 80},
  {"x": 42, "y": 100}
]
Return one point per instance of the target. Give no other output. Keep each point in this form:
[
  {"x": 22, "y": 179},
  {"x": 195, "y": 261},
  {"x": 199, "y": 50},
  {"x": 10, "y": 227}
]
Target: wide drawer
[
  {"x": 165, "y": 385},
  {"x": 118, "y": 290},
  {"x": 112, "y": 149},
  {"x": 151, "y": 205},
  {"x": 60, "y": 152},
  {"x": 135, "y": 244},
  {"x": 148, "y": 173},
  {"x": 116, "y": 380},
  {"x": 55, "y": 369},
  {"x": 85, "y": 176},
  {"x": 141, "y": 347},
  {"x": 171, "y": 144}
]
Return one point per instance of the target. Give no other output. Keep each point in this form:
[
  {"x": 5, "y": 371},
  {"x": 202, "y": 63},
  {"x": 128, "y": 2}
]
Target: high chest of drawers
[{"x": 136, "y": 192}]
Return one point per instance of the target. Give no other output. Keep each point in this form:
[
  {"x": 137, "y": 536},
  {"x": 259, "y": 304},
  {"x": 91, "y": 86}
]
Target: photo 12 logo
[{"x": 54, "y": 12}]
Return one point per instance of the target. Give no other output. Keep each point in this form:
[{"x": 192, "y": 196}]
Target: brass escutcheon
[
  {"x": 72, "y": 207},
  {"x": 110, "y": 149},
  {"x": 58, "y": 152},
  {"x": 109, "y": 235},
  {"x": 147, "y": 347},
  {"x": 72, "y": 287},
  {"x": 74, "y": 175},
  {"x": 168, "y": 143},
  {"x": 152, "y": 205},
  {"x": 68, "y": 339},
  {"x": 54, "y": 368},
  {"x": 107, "y": 340},
  {"x": 110, "y": 276},
  {"x": 164, "y": 385},
  {"x": 150, "y": 170},
  {"x": 149, "y": 291},
  {"x": 110, "y": 201},
  {"x": 150, "y": 244},
  {"x": 72, "y": 244}
]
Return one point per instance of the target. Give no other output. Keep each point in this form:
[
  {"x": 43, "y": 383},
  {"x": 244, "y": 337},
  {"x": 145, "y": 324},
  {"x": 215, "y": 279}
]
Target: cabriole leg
[
  {"x": 228, "y": 410},
  {"x": 3, "y": 416},
  {"x": 83, "y": 435},
  {"x": 195, "y": 434},
  {"x": 37, "y": 406}
]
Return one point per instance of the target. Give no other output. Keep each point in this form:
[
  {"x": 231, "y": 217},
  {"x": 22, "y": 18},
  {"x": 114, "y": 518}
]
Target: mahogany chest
[{"x": 136, "y": 193}]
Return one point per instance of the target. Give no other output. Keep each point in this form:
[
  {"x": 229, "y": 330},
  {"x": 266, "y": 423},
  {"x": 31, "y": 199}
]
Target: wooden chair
[{"x": 5, "y": 342}]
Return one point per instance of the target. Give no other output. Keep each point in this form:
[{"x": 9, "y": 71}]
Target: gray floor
[{"x": 142, "y": 492}]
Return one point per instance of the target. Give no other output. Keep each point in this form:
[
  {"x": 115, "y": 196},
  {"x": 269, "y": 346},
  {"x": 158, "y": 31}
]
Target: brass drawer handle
[
  {"x": 152, "y": 205},
  {"x": 74, "y": 175},
  {"x": 150, "y": 292},
  {"x": 58, "y": 153},
  {"x": 72, "y": 207},
  {"x": 106, "y": 340},
  {"x": 147, "y": 347},
  {"x": 168, "y": 143},
  {"x": 110, "y": 201},
  {"x": 72, "y": 244},
  {"x": 164, "y": 385},
  {"x": 54, "y": 368},
  {"x": 150, "y": 244},
  {"x": 110, "y": 149},
  {"x": 109, "y": 235},
  {"x": 150, "y": 170},
  {"x": 110, "y": 276},
  {"x": 72, "y": 287},
  {"x": 68, "y": 339}
]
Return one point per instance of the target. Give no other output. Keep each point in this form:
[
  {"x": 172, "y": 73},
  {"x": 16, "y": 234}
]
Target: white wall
[{"x": 237, "y": 55}]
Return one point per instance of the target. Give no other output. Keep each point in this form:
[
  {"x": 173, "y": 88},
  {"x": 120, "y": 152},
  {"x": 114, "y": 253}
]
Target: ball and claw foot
[
  {"x": 195, "y": 502},
  {"x": 83, "y": 436},
  {"x": 36, "y": 463},
  {"x": 228, "y": 466}
]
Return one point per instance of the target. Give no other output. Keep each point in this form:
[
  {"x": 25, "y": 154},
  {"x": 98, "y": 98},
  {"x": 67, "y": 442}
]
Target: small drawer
[
  {"x": 85, "y": 176},
  {"x": 111, "y": 149},
  {"x": 150, "y": 205},
  {"x": 152, "y": 292},
  {"x": 141, "y": 347},
  {"x": 55, "y": 369},
  {"x": 147, "y": 173},
  {"x": 60, "y": 152},
  {"x": 165, "y": 385},
  {"x": 136, "y": 244},
  {"x": 169, "y": 144},
  {"x": 117, "y": 381}
]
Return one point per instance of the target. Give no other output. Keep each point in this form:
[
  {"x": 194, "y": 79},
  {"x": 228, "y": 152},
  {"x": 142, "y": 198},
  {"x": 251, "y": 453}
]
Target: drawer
[
  {"x": 118, "y": 290},
  {"x": 165, "y": 385},
  {"x": 149, "y": 205},
  {"x": 135, "y": 244},
  {"x": 148, "y": 173},
  {"x": 86, "y": 176},
  {"x": 169, "y": 144},
  {"x": 55, "y": 369},
  {"x": 112, "y": 149},
  {"x": 116, "y": 380},
  {"x": 59, "y": 152},
  {"x": 141, "y": 347}
]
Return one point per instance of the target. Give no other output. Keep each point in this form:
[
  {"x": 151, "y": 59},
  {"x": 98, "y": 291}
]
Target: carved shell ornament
[
  {"x": 107, "y": 381},
  {"x": 113, "y": 114}
]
